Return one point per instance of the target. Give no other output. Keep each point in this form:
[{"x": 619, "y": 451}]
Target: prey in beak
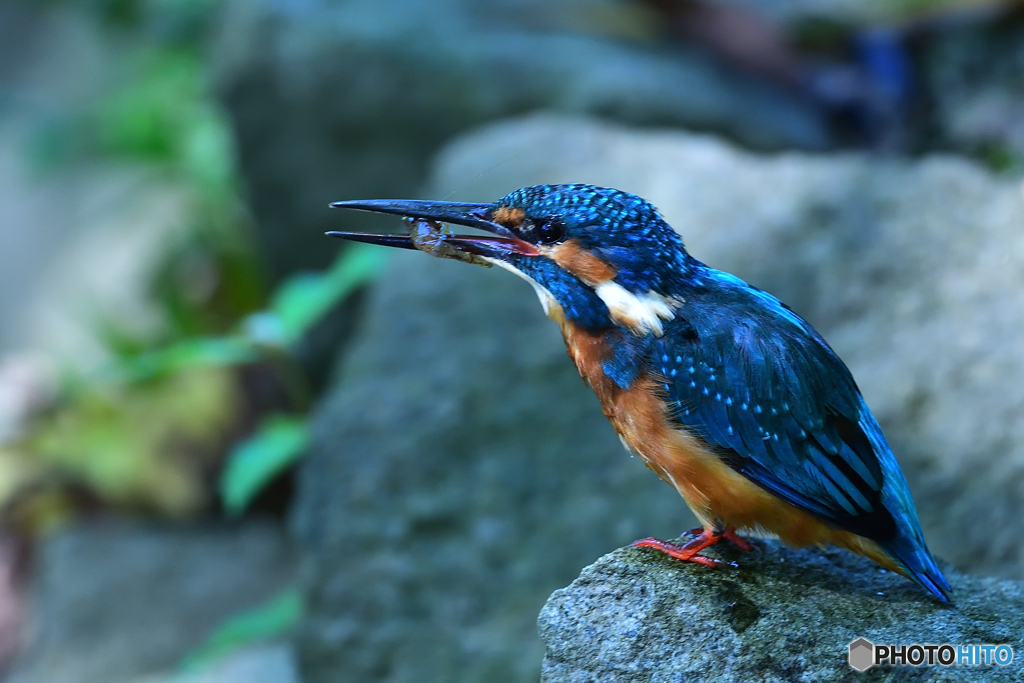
[{"x": 427, "y": 235}]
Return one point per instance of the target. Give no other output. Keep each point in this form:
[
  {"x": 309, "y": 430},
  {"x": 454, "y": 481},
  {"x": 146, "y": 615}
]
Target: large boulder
[
  {"x": 340, "y": 99},
  {"x": 270, "y": 662},
  {"x": 116, "y": 601},
  {"x": 804, "y": 14},
  {"x": 784, "y": 615},
  {"x": 460, "y": 472},
  {"x": 913, "y": 270},
  {"x": 974, "y": 74},
  {"x": 84, "y": 244}
]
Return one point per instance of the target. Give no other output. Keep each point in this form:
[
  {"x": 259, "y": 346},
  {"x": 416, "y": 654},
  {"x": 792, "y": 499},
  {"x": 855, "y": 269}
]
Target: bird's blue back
[{"x": 760, "y": 385}]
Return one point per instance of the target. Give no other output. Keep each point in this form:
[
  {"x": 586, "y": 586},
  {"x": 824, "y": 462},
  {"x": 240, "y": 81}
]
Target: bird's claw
[
  {"x": 688, "y": 552},
  {"x": 729, "y": 535}
]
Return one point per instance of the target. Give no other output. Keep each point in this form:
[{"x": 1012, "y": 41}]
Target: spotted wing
[{"x": 758, "y": 383}]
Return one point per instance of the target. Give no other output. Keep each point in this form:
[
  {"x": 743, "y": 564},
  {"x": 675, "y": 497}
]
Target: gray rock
[
  {"x": 796, "y": 12},
  {"x": 461, "y": 467},
  {"x": 263, "y": 663},
  {"x": 461, "y": 471},
  {"x": 858, "y": 13},
  {"x": 974, "y": 74},
  {"x": 345, "y": 99},
  {"x": 784, "y": 615},
  {"x": 84, "y": 244},
  {"x": 914, "y": 272},
  {"x": 115, "y": 601}
]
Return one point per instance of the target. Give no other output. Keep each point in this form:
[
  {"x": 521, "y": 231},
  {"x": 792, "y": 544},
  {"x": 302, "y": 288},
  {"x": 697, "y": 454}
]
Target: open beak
[{"x": 501, "y": 245}]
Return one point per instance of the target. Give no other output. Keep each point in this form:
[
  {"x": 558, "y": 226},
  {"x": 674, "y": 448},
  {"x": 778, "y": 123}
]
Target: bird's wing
[{"x": 757, "y": 382}]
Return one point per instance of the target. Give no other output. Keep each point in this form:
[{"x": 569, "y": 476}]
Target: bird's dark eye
[{"x": 549, "y": 230}]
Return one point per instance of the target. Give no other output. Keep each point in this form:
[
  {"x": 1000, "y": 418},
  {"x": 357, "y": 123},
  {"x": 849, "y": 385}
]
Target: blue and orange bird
[{"x": 727, "y": 394}]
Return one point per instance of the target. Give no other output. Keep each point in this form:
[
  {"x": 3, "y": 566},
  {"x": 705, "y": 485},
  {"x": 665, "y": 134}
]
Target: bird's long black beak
[{"x": 504, "y": 242}]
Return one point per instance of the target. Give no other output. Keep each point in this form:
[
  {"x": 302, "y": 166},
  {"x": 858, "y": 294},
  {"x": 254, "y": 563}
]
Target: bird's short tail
[{"x": 914, "y": 557}]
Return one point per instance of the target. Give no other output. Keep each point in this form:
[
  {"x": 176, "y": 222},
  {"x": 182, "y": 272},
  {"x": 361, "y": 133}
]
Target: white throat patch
[
  {"x": 640, "y": 314},
  {"x": 547, "y": 300}
]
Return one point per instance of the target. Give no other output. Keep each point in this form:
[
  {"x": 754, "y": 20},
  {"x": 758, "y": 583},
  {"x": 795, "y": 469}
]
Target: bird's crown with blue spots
[{"x": 621, "y": 228}]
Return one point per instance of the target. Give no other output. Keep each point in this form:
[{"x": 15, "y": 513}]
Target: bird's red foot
[
  {"x": 688, "y": 552},
  {"x": 729, "y": 535}
]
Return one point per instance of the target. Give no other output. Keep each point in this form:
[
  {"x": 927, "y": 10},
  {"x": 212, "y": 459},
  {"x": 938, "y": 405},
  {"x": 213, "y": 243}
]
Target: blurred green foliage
[
  {"x": 169, "y": 20},
  {"x": 145, "y": 447},
  {"x": 164, "y": 426},
  {"x": 255, "y": 462},
  {"x": 211, "y": 280},
  {"x": 912, "y": 8},
  {"x": 170, "y": 425},
  {"x": 273, "y": 619},
  {"x": 298, "y": 304},
  {"x": 1001, "y": 158},
  {"x": 303, "y": 299},
  {"x": 176, "y": 358},
  {"x": 163, "y": 115},
  {"x": 161, "y": 109}
]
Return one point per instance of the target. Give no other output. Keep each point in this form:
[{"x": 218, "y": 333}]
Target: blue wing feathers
[{"x": 756, "y": 381}]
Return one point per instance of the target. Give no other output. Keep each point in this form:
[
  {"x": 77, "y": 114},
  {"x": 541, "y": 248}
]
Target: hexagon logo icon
[{"x": 862, "y": 654}]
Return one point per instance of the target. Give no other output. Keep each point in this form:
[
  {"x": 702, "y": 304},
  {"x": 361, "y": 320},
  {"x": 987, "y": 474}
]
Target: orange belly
[{"x": 718, "y": 495}]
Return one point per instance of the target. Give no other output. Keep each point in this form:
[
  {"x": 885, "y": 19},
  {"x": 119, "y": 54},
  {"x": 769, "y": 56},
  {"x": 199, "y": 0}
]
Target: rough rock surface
[
  {"x": 855, "y": 13},
  {"x": 784, "y": 615},
  {"x": 461, "y": 471},
  {"x": 914, "y": 272},
  {"x": 84, "y": 244},
  {"x": 333, "y": 99},
  {"x": 974, "y": 73},
  {"x": 117, "y": 601},
  {"x": 272, "y": 662}
]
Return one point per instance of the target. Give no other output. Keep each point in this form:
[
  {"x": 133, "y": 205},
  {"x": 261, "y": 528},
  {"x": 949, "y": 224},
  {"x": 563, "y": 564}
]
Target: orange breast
[{"x": 717, "y": 494}]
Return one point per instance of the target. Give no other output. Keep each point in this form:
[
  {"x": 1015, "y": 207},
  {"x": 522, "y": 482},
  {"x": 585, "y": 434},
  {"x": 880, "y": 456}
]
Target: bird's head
[{"x": 604, "y": 257}]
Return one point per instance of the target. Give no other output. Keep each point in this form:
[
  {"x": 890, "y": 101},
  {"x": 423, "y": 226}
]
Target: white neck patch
[
  {"x": 547, "y": 300},
  {"x": 640, "y": 314}
]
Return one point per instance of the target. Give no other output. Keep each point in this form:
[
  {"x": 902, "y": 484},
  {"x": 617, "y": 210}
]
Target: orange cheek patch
[
  {"x": 582, "y": 263},
  {"x": 508, "y": 216}
]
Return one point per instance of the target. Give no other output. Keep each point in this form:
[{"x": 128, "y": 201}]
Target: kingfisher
[{"x": 728, "y": 395}]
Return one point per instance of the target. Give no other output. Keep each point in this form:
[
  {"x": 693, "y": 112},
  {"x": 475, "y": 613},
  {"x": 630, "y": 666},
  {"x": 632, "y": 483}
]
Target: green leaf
[
  {"x": 202, "y": 351},
  {"x": 152, "y": 116},
  {"x": 254, "y": 463},
  {"x": 272, "y": 619},
  {"x": 297, "y": 305},
  {"x": 304, "y": 299}
]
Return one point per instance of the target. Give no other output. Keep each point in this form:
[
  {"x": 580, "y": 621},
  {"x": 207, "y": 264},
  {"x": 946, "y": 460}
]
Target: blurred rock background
[{"x": 231, "y": 450}]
